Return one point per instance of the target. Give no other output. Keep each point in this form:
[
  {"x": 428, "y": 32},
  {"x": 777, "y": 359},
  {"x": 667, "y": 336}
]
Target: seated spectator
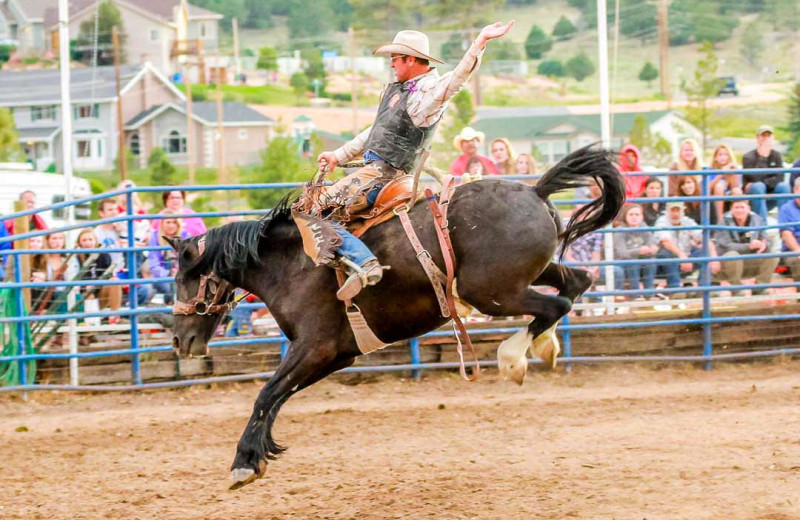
[
  {"x": 95, "y": 266},
  {"x": 724, "y": 184},
  {"x": 589, "y": 248},
  {"x": 37, "y": 222},
  {"x": 680, "y": 243},
  {"x": 636, "y": 244},
  {"x": 689, "y": 159},
  {"x": 503, "y": 156},
  {"x": 653, "y": 189},
  {"x": 174, "y": 203},
  {"x": 467, "y": 142},
  {"x": 49, "y": 267},
  {"x": 164, "y": 264},
  {"x": 629, "y": 163},
  {"x": 744, "y": 242},
  {"x": 760, "y": 184},
  {"x": 789, "y": 220},
  {"x": 688, "y": 186}
]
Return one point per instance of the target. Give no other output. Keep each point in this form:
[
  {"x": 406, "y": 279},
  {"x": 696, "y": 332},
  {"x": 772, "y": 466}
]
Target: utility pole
[
  {"x": 237, "y": 63},
  {"x": 351, "y": 35},
  {"x": 221, "y": 174},
  {"x": 663, "y": 49},
  {"x": 123, "y": 164},
  {"x": 189, "y": 125}
]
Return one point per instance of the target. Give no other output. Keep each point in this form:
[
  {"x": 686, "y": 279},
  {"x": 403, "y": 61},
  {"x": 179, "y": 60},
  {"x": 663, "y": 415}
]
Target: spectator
[
  {"x": 503, "y": 155},
  {"x": 589, "y": 248},
  {"x": 653, "y": 189},
  {"x": 3, "y": 247},
  {"x": 37, "y": 222},
  {"x": 724, "y": 184},
  {"x": 141, "y": 227},
  {"x": 467, "y": 142},
  {"x": 794, "y": 175},
  {"x": 689, "y": 159},
  {"x": 636, "y": 244},
  {"x": 50, "y": 267},
  {"x": 95, "y": 266},
  {"x": 688, "y": 187},
  {"x": 525, "y": 165},
  {"x": 680, "y": 243},
  {"x": 109, "y": 234},
  {"x": 760, "y": 184},
  {"x": 174, "y": 203},
  {"x": 629, "y": 163},
  {"x": 737, "y": 242},
  {"x": 165, "y": 263},
  {"x": 474, "y": 171},
  {"x": 789, "y": 219}
]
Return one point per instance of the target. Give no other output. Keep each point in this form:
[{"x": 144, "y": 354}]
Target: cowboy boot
[{"x": 359, "y": 277}]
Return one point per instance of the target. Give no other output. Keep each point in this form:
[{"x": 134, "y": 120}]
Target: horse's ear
[{"x": 173, "y": 242}]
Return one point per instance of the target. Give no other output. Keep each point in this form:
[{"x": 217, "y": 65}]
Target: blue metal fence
[{"x": 20, "y": 320}]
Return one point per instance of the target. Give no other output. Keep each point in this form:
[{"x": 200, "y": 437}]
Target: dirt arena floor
[{"x": 600, "y": 443}]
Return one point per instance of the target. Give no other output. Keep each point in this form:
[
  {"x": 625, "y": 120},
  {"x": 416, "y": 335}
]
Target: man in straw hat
[
  {"x": 467, "y": 142},
  {"x": 408, "y": 115}
]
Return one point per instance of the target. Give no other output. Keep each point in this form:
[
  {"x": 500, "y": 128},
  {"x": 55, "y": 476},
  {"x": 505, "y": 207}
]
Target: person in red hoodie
[
  {"x": 629, "y": 163},
  {"x": 37, "y": 222}
]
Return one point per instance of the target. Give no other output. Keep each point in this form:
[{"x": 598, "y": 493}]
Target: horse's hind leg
[{"x": 305, "y": 364}]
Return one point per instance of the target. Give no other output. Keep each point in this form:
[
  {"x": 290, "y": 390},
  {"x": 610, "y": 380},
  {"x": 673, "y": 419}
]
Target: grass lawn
[{"x": 263, "y": 95}]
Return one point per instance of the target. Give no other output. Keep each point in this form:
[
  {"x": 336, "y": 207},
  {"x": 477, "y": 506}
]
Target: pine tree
[
  {"x": 703, "y": 86},
  {"x": 648, "y": 73},
  {"x": 564, "y": 29},
  {"x": 579, "y": 67},
  {"x": 537, "y": 43}
]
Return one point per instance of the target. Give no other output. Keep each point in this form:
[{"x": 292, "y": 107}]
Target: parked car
[{"x": 728, "y": 85}]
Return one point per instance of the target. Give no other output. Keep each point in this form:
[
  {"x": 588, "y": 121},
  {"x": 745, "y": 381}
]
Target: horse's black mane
[{"x": 235, "y": 246}]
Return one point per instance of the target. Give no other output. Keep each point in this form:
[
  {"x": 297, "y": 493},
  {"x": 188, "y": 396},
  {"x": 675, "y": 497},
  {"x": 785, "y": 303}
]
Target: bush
[
  {"x": 579, "y": 67},
  {"x": 342, "y": 96},
  {"x": 648, "y": 73},
  {"x": 162, "y": 171},
  {"x": 5, "y": 52},
  {"x": 551, "y": 68},
  {"x": 564, "y": 28}
]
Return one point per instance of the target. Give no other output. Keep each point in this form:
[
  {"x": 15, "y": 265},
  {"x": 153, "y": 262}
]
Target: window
[
  {"x": 87, "y": 111},
  {"x": 84, "y": 149},
  {"x": 155, "y": 34},
  {"x": 175, "y": 143},
  {"x": 47, "y": 112},
  {"x": 134, "y": 144},
  {"x": 202, "y": 30},
  {"x": 242, "y": 134}
]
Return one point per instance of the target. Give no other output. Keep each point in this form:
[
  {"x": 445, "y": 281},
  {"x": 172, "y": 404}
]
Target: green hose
[{"x": 9, "y": 370}]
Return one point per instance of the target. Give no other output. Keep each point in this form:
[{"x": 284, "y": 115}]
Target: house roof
[
  {"x": 538, "y": 126},
  {"x": 164, "y": 10},
  {"x": 38, "y": 134},
  {"x": 35, "y": 9},
  {"x": 6, "y": 13},
  {"x": 233, "y": 114}
]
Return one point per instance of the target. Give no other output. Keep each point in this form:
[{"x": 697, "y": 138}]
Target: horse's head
[{"x": 202, "y": 299}]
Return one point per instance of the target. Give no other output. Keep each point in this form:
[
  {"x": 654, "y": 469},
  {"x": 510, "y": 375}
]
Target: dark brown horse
[{"x": 504, "y": 234}]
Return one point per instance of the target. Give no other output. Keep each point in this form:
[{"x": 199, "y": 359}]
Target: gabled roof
[
  {"x": 38, "y": 135},
  {"x": 159, "y": 10},
  {"x": 34, "y": 10},
  {"x": 233, "y": 114},
  {"x": 42, "y": 87},
  {"x": 540, "y": 126}
]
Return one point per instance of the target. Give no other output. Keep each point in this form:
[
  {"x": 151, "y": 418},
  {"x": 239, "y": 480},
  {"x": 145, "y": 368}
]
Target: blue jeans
[
  {"x": 673, "y": 271},
  {"x": 760, "y": 206},
  {"x": 640, "y": 273},
  {"x": 619, "y": 277},
  {"x": 167, "y": 289},
  {"x": 352, "y": 248}
]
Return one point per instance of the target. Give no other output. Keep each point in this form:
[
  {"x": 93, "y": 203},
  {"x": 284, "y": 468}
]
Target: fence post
[
  {"x": 136, "y": 372},
  {"x": 705, "y": 271},
  {"x": 566, "y": 342},
  {"x": 20, "y": 309},
  {"x": 284, "y": 349},
  {"x": 413, "y": 347}
]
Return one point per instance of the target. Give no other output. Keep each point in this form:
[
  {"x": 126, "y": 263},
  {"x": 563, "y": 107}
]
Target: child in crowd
[
  {"x": 94, "y": 266},
  {"x": 164, "y": 264},
  {"x": 631, "y": 245},
  {"x": 652, "y": 210},
  {"x": 724, "y": 184},
  {"x": 49, "y": 267}
]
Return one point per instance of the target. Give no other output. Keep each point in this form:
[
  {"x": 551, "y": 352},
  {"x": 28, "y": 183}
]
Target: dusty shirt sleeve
[{"x": 353, "y": 148}]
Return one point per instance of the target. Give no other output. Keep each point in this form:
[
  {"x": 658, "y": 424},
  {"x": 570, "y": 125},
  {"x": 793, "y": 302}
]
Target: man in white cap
[
  {"x": 408, "y": 115},
  {"x": 467, "y": 142}
]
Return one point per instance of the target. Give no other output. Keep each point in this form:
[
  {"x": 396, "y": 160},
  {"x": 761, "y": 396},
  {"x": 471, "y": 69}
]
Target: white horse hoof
[
  {"x": 514, "y": 370},
  {"x": 242, "y": 476},
  {"x": 546, "y": 347}
]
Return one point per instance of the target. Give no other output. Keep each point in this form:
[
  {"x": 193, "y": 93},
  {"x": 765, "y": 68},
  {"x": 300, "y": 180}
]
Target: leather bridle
[{"x": 200, "y": 306}]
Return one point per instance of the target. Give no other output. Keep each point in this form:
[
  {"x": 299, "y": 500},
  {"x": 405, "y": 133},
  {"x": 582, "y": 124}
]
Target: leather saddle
[{"x": 397, "y": 192}]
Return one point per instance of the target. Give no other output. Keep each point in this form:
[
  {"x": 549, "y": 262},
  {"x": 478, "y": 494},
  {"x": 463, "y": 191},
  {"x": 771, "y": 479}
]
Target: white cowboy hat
[
  {"x": 408, "y": 43},
  {"x": 468, "y": 134}
]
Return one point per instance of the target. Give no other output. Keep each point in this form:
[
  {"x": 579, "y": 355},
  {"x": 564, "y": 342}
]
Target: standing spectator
[
  {"x": 633, "y": 245},
  {"x": 789, "y": 219},
  {"x": 37, "y": 222},
  {"x": 50, "y": 267},
  {"x": 653, "y": 189},
  {"x": 629, "y": 158},
  {"x": 95, "y": 266},
  {"x": 680, "y": 243},
  {"x": 689, "y": 159},
  {"x": 165, "y": 263},
  {"x": 724, "y": 184},
  {"x": 174, "y": 202},
  {"x": 737, "y": 242},
  {"x": 467, "y": 142},
  {"x": 503, "y": 156},
  {"x": 760, "y": 184},
  {"x": 525, "y": 165}
]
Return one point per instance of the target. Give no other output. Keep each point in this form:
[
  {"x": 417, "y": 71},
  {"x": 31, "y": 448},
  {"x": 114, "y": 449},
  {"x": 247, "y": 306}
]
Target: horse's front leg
[{"x": 305, "y": 364}]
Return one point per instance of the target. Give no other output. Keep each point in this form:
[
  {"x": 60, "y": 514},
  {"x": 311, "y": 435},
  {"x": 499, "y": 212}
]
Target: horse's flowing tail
[{"x": 575, "y": 171}]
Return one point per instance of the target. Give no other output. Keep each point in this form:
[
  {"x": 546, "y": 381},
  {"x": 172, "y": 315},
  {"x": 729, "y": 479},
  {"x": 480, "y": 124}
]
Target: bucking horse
[{"x": 505, "y": 236}]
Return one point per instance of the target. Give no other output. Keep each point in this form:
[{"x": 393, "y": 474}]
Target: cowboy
[
  {"x": 468, "y": 141},
  {"x": 408, "y": 115}
]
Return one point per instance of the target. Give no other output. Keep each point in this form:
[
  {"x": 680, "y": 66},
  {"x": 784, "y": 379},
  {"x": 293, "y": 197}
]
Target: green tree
[
  {"x": 455, "y": 46},
  {"x": 267, "y": 58},
  {"x": 162, "y": 171},
  {"x": 9, "y": 138},
  {"x": 564, "y": 29},
  {"x": 460, "y": 113},
  {"x": 308, "y": 19},
  {"x": 702, "y": 87},
  {"x": 299, "y": 82},
  {"x": 640, "y": 135},
  {"x": 108, "y": 16},
  {"x": 579, "y": 67},
  {"x": 258, "y": 15},
  {"x": 551, "y": 68},
  {"x": 280, "y": 162},
  {"x": 648, "y": 73},
  {"x": 752, "y": 44},
  {"x": 461, "y": 14},
  {"x": 580, "y": 4},
  {"x": 655, "y": 149},
  {"x": 5, "y": 53},
  {"x": 315, "y": 69},
  {"x": 501, "y": 50},
  {"x": 793, "y": 125},
  {"x": 537, "y": 43},
  {"x": 783, "y": 14}
]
